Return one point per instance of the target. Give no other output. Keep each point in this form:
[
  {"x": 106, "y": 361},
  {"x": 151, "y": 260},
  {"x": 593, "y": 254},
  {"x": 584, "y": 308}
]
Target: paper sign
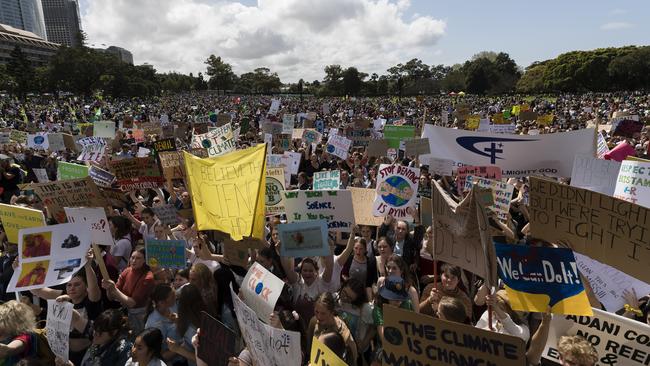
[
  {"x": 329, "y": 180},
  {"x": 41, "y": 175},
  {"x": 633, "y": 183},
  {"x": 609, "y": 230},
  {"x": 333, "y": 206},
  {"x": 38, "y": 141},
  {"x": 304, "y": 239},
  {"x": 274, "y": 201},
  {"x": 95, "y": 219},
  {"x": 69, "y": 193},
  {"x": 442, "y": 167},
  {"x": 49, "y": 255},
  {"x": 444, "y": 343},
  {"x": 71, "y": 171},
  {"x": 172, "y": 164},
  {"x": 377, "y": 148},
  {"x": 338, "y": 146},
  {"x": 15, "y": 218},
  {"x": 55, "y": 142},
  {"x": 93, "y": 149},
  {"x": 168, "y": 144},
  {"x": 137, "y": 173},
  {"x": 165, "y": 253},
  {"x": 539, "y": 277},
  {"x": 214, "y": 332},
  {"x": 322, "y": 355},
  {"x": 104, "y": 129},
  {"x": 359, "y": 137},
  {"x": 57, "y": 327},
  {"x": 167, "y": 214},
  {"x": 395, "y": 134},
  {"x": 287, "y": 123},
  {"x": 311, "y": 136},
  {"x": 275, "y": 106},
  {"x": 261, "y": 290},
  {"x": 596, "y": 175},
  {"x": 602, "y": 147},
  {"x": 417, "y": 147},
  {"x": 501, "y": 194},
  {"x": 101, "y": 177},
  {"x": 397, "y": 188},
  {"x": 218, "y": 141},
  {"x": 362, "y": 201},
  {"x": 489, "y": 172}
]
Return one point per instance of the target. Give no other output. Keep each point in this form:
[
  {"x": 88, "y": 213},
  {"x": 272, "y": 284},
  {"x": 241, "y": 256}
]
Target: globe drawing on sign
[
  {"x": 330, "y": 148},
  {"x": 273, "y": 191},
  {"x": 396, "y": 191},
  {"x": 39, "y": 140},
  {"x": 206, "y": 143}
]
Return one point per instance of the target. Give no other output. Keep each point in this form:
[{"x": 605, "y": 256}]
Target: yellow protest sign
[
  {"x": 545, "y": 119},
  {"x": 228, "y": 191},
  {"x": 15, "y": 218},
  {"x": 473, "y": 121},
  {"x": 322, "y": 355},
  {"x": 516, "y": 109}
]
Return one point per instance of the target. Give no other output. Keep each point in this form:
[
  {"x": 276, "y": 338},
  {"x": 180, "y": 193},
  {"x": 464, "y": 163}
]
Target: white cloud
[
  {"x": 616, "y": 25},
  {"x": 296, "y": 38}
]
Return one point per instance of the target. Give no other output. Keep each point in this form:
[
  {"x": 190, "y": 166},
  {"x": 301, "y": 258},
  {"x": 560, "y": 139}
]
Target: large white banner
[
  {"x": 549, "y": 155},
  {"x": 619, "y": 341},
  {"x": 594, "y": 174}
]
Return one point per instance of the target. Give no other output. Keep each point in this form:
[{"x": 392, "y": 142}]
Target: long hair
[
  {"x": 112, "y": 321},
  {"x": 190, "y": 306},
  {"x": 153, "y": 338},
  {"x": 16, "y": 318}
]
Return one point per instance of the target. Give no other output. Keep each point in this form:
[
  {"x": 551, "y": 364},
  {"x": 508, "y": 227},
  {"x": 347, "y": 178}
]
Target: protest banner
[
  {"x": 228, "y": 191},
  {"x": 172, "y": 164},
  {"x": 68, "y": 193},
  {"x": 311, "y": 136},
  {"x": 101, "y": 177},
  {"x": 105, "y": 129},
  {"x": 416, "y": 339},
  {"x": 516, "y": 155},
  {"x": 55, "y": 142},
  {"x": 272, "y": 128},
  {"x": 359, "y": 137},
  {"x": 320, "y": 354},
  {"x": 501, "y": 194},
  {"x": 18, "y": 136},
  {"x": 49, "y": 255},
  {"x": 607, "y": 229},
  {"x": 165, "y": 253},
  {"x": 596, "y": 175},
  {"x": 213, "y": 333},
  {"x": 137, "y": 173},
  {"x": 362, "y": 201},
  {"x": 602, "y": 147},
  {"x": 456, "y": 233},
  {"x": 489, "y": 172},
  {"x": 287, "y": 123},
  {"x": 397, "y": 188},
  {"x": 608, "y": 283},
  {"x": 297, "y": 133},
  {"x": 284, "y": 142},
  {"x": 618, "y": 341},
  {"x": 261, "y": 290},
  {"x": 328, "y": 180},
  {"x": 217, "y": 141},
  {"x": 274, "y": 202},
  {"x": 626, "y": 126},
  {"x": 167, "y": 214},
  {"x": 417, "y": 147},
  {"x": 57, "y": 327},
  {"x": 94, "y": 218},
  {"x": 333, "y": 206},
  {"x": 92, "y": 149},
  {"x": 168, "y": 144},
  {"x": 268, "y": 345},
  {"x": 70, "y": 171},
  {"x": 304, "y": 239},
  {"x": 439, "y": 166},
  {"x": 41, "y": 175},
  {"x": 538, "y": 277},
  {"x": 38, "y": 141},
  {"x": 377, "y": 148},
  {"x": 15, "y": 218},
  {"x": 236, "y": 252},
  {"x": 396, "y": 134},
  {"x": 338, "y": 146},
  {"x": 633, "y": 182},
  {"x": 502, "y": 129}
]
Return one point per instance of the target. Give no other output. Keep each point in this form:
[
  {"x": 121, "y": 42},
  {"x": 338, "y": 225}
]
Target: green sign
[
  {"x": 71, "y": 171},
  {"x": 395, "y": 134}
]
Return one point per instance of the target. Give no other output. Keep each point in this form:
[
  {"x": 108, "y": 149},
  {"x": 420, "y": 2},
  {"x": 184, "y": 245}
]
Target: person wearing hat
[{"x": 393, "y": 292}]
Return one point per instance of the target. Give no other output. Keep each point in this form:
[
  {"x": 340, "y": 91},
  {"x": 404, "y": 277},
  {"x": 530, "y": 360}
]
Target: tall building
[
  {"x": 62, "y": 21},
  {"x": 23, "y": 14},
  {"x": 37, "y": 50},
  {"x": 122, "y": 54}
]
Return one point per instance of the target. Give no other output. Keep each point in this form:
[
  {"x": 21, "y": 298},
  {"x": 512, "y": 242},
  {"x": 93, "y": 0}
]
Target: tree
[
  {"x": 351, "y": 81},
  {"x": 334, "y": 79},
  {"x": 220, "y": 73},
  {"x": 21, "y": 72}
]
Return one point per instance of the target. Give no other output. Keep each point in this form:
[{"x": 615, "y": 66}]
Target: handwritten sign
[
  {"x": 261, "y": 290},
  {"x": 633, "y": 183},
  {"x": 322, "y": 355},
  {"x": 489, "y": 172},
  {"x": 338, "y": 146},
  {"x": 165, "y": 253},
  {"x": 69, "y": 193},
  {"x": 93, "y": 149},
  {"x": 333, "y": 206},
  {"x": 101, "y": 177},
  {"x": 218, "y": 141},
  {"x": 417, "y": 147},
  {"x": 95, "y": 219},
  {"x": 105, "y": 129},
  {"x": 329, "y": 180},
  {"x": 168, "y": 144},
  {"x": 167, "y": 214},
  {"x": 596, "y": 175},
  {"x": 15, "y": 218},
  {"x": 137, "y": 173},
  {"x": 397, "y": 188},
  {"x": 57, "y": 327},
  {"x": 362, "y": 201},
  {"x": 501, "y": 194},
  {"x": 274, "y": 201}
]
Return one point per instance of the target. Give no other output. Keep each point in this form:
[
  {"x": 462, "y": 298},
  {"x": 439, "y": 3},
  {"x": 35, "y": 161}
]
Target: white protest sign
[
  {"x": 601, "y": 148},
  {"x": 397, "y": 188},
  {"x": 268, "y": 345},
  {"x": 38, "y": 141},
  {"x": 166, "y": 213},
  {"x": 5, "y": 137},
  {"x": 618, "y": 341},
  {"x": 95, "y": 219},
  {"x": 501, "y": 194},
  {"x": 440, "y": 166},
  {"x": 334, "y": 206},
  {"x": 49, "y": 255},
  {"x": 55, "y": 142},
  {"x": 633, "y": 183},
  {"x": 596, "y": 175},
  {"x": 287, "y": 124},
  {"x": 261, "y": 290},
  {"x": 275, "y": 106},
  {"x": 338, "y": 146},
  {"x": 292, "y": 161},
  {"x": 104, "y": 129},
  {"x": 218, "y": 141},
  {"x": 143, "y": 152},
  {"x": 275, "y": 185},
  {"x": 503, "y": 129},
  {"x": 329, "y": 180},
  {"x": 608, "y": 283},
  {"x": 164, "y": 119},
  {"x": 93, "y": 149},
  {"x": 57, "y": 327},
  {"x": 41, "y": 175}
]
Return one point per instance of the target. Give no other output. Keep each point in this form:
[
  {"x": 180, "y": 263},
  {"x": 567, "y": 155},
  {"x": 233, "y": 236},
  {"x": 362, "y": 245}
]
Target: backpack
[{"x": 43, "y": 351}]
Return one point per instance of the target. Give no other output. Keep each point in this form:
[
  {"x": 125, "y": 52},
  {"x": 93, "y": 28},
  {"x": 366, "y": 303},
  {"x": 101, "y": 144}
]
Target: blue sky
[{"x": 297, "y": 38}]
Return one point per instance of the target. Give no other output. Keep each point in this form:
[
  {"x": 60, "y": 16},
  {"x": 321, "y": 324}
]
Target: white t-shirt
[
  {"x": 302, "y": 290},
  {"x": 122, "y": 248}
]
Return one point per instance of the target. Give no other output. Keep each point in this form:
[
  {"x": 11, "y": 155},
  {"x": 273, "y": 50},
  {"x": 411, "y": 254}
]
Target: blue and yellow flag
[{"x": 228, "y": 191}]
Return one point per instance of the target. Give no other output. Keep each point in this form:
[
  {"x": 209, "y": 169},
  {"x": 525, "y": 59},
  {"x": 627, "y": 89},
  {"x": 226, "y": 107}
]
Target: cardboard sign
[
  {"x": 104, "y": 129},
  {"x": 261, "y": 290},
  {"x": 137, "y": 173},
  {"x": 633, "y": 183},
  {"x": 275, "y": 106},
  {"x": 15, "y": 218},
  {"x": 333, "y": 206},
  {"x": 501, "y": 194},
  {"x": 268, "y": 345},
  {"x": 338, "y": 146},
  {"x": 93, "y": 149},
  {"x": 442, "y": 167},
  {"x": 228, "y": 191},
  {"x": 311, "y": 136},
  {"x": 167, "y": 214},
  {"x": 236, "y": 253},
  {"x": 539, "y": 277},
  {"x": 609, "y": 283},
  {"x": 441, "y": 342},
  {"x": 329, "y": 180},
  {"x": 214, "y": 332},
  {"x": 223, "y": 119},
  {"x": 527, "y": 116},
  {"x": 596, "y": 175},
  {"x": 69, "y": 193},
  {"x": 218, "y": 141},
  {"x": 607, "y": 229},
  {"x": 168, "y": 144},
  {"x": 322, "y": 355},
  {"x": 101, "y": 177},
  {"x": 70, "y": 171},
  {"x": 359, "y": 137},
  {"x": 417, "y": 147},
  {"x": 362, "y": 201},
  {"x": 396, "y": 134},
  {"x": 165, "y": 253},
  {"x": 397, "y": 188},
  {"x": 57, "y": 327},
  {"x": 304, "y": 239},
  {"x": 49, "y": 255},
  {"x": 95, "y": 219},
  {"x": 172, "y": 164},
  {"x": 55, "y": 142},
  {"x": 489, "y": 172},
  {"x": 618, "y": 341},
  {"x": 274, "y": 201}
]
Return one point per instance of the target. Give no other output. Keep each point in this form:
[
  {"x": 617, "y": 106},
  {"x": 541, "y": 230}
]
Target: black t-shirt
[
  {"x": 11, "y": 184},
  {"x": 88, "y": 309}
]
